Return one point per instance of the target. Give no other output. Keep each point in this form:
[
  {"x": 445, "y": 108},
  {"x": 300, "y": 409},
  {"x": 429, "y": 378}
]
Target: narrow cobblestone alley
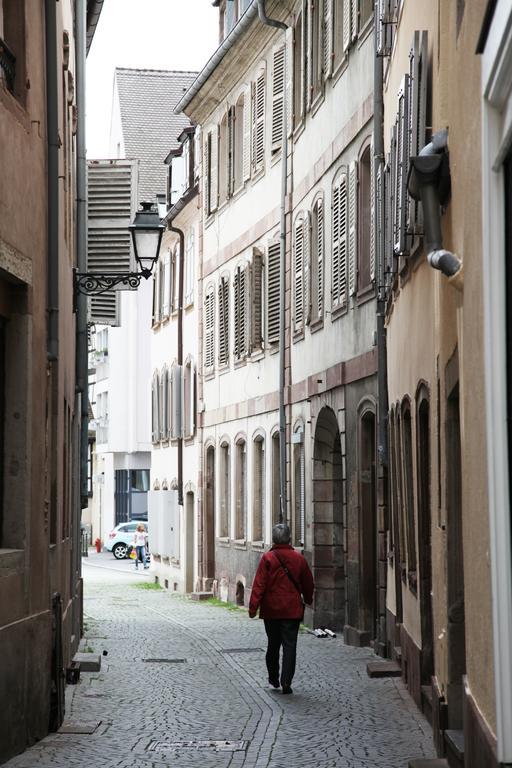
[{"x": 179, "y": 671}]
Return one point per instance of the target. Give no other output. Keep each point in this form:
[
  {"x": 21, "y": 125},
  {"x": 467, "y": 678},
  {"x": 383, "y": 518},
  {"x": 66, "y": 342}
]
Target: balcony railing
[{"x": 7, "y": 65}]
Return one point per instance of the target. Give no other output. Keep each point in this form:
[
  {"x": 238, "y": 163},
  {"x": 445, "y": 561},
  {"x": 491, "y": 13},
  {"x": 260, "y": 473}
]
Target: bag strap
[{"x": 285, "y": 569}]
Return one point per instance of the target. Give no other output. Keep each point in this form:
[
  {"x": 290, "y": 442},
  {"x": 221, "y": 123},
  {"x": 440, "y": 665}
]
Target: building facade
[
  {"x": 319, "y": 73},
  {"x": 42, "y": 61},
  {"x": 439, "y": 590}
]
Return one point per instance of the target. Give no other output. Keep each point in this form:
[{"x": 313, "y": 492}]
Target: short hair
[{"x": 281, "y": 534}]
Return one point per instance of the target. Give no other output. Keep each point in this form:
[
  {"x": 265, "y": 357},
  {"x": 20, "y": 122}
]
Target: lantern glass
[{"x": 146, "y": 232}]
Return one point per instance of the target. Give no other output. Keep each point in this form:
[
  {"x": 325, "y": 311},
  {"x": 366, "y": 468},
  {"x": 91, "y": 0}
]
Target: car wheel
[{"x": 120, "y": 551}]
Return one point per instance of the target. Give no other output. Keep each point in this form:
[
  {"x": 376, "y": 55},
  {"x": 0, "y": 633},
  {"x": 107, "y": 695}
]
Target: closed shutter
[
  {"x": 418, "y": 82},
  {"x": 352, "y": 228},
  {"x": 209, "y": 334},
  {"x": 310, "y": 53},
  {"x": 207, "y": 143},
  {"x": 305, "y": 59},
  {"x": 298, "y": 274},
  {"x": 155, "y": 431},
  {"x": 273, "y": 292},
  {"x": 165, "y": 288},
  {"x": 306, "y": 237},
  {"x": 176, "y": 402},
  {"x": 278, "y": 95},
  {"x": 289, "y": 80},
  {"x": 347, "y": 30},
  {"x": 339, "y": 243},
  {"x": 111, "y": 205},
  {"x": 256, "y": 308},
  {"x": 354, "y": 18},
  {"x": 319, "y": 259},
  {"x": 155, "y": 300},
  {"x": 402, "y": 168},
  {"x": 231, "y": 151},
  {"x": 214, "y": 169},
  {"x": 379, "y": 224},
  {"x": 372, "y": 214},
  {"x": 247, "y": 135},
  {"x": 258, "y": 123},
  {"x": 328, "y": 38},
  {"x": 223, "y": 321},
  {"x": 241, "y": 313}
]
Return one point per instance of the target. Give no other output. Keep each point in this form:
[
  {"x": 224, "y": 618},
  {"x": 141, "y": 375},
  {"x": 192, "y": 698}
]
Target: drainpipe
[
  {"x": 81, "y": 237},
  {"x": 52, "y": 119},
  {"x": 282, "y": 270},
  {"x": 429, "y": 181},
  {"x": 181, "y": 235},
  {"x": 382, "y": 372}
]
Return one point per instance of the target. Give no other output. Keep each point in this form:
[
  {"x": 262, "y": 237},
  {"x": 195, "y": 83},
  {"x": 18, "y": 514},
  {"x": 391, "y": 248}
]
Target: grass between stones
[{"x": 147, "y": 585}]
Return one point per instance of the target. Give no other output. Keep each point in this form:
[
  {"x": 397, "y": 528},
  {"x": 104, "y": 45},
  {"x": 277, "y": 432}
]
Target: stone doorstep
[
  {"x": 454, "y": 743},
  {"x": 201, "y": 595},
  {"x": 427, "y": 763},
  {"x": 376, "y": 669},
  {"x": 89, "y": 662}
]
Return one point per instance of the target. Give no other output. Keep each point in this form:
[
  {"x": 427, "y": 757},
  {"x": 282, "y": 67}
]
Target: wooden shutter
[
  {"x": 328, "y": 38},
  {"x": 354, "y": 18},
  {"x": 256, "y": 309},
  {"x": 258, "y": 122},
  {"x": 402, "y": 168},
  {"x": 247, "y": 135},
  {"x": 176, "y": 401},
  {"x": 306, "y": 237},
  {"x": 347, "y": 30},
  {"x": 155, "y": 299},
  {"x": 241, "y": 312},
  {"x": 166, "y": 285},
  {"x": 339, "y": 243},
  {"x": 289, "y": 79},
  {"x": 207, "y": 143},
  {"x": 380, "y": 217},
  {"x": 223, "y": 321},
  {"x": 231, "y": 152},
  {"x": 311, "y": 49},
  {"x": 318, "y": 264},
  {"x": 154, "y": 409},
  {"x": 298, "y": 274},
  {"x": 278, "y": 95},
  {"x": 305, "y": 58},
  {"x": 214, "y": 169},
  {"x": 209, "y": 335},
  {"x": 273, "y": 292},
  {"x": 352, "y": 228},
  {"x": 418, "y": 82},
  {"x": 372, "y": 214}
]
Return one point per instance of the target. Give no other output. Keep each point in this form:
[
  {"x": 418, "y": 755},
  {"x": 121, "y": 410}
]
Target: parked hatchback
[{"x": 120, "y": 539}]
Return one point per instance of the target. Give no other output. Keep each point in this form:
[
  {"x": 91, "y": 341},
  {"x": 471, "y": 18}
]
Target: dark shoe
[
  {"x": 274, "y": 683},
  {"x": 287, "y": 689}
]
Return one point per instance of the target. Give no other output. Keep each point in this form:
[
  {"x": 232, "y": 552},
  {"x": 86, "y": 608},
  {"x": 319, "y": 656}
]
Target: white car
[{"x": 120, "y": 539}]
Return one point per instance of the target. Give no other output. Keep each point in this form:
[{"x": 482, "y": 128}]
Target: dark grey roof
[{"x": 147, "y": 99}]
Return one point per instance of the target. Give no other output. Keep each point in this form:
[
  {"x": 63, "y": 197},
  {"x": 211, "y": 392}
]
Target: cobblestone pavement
[{"x": 207, "y": 684}]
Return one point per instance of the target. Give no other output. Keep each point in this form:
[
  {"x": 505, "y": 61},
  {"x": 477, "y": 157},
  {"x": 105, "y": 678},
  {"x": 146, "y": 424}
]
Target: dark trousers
[{"x": 281, "y": 632}]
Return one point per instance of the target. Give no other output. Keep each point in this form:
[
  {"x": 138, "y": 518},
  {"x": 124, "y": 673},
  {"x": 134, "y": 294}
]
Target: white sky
[{"x": 144, "y": 34}]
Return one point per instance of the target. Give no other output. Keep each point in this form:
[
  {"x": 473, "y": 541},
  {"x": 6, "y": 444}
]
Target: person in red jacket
[{"x": 283, "y": 583}]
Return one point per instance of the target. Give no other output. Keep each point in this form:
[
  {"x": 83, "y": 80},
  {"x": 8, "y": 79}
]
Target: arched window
[
  {"x": 223, "y": 159},
  {"x": 164, "y": 404},
  {"x": 189, "y": 398},
  {"x": 175, "y": 405},
  {"x": 258, "y": 486},
  {"x": 276, "y": 489},
  {"x": 241, "y": 311},
  {"x": 300, "y": 272},
  {"x": 364, "y": 271},
  {"x": 238, "y": 160},
  {"x": 408, "y": 493},
  {"x": 224, "y": 489},
  {"x": 224, "y": 321},
  {"x": 299, "y": 485},
  {"x": 241, "y": 489}
]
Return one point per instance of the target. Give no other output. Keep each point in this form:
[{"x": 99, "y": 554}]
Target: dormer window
[{"x": 181, "y": 167}]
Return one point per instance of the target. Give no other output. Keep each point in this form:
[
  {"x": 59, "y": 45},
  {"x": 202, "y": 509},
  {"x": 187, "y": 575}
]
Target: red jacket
[{"x": 272, "y": 590}]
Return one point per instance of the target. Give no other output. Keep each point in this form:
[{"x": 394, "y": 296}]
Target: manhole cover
[
  {"x": 164, "y": 661},
  {"x": 89, "y": 727},
  {"x": 242, "y": 650},
  {"x": 218, "y": 746}
]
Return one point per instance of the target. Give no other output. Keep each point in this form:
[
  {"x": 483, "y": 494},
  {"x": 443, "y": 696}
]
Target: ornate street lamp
[{"x": 146, "y": 230}]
